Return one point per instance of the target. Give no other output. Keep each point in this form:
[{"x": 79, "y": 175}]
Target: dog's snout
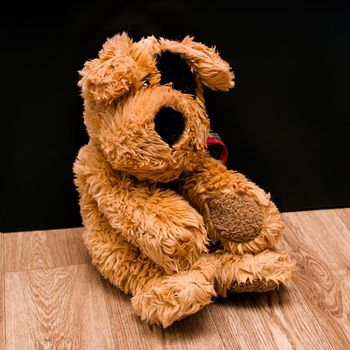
[{"x": 169, "y": 124}]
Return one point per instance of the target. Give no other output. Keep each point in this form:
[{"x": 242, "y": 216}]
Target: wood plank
[
  {"x": 50, "y": 301},
  {"x": 41, "y": 249},
  {"x": 277, "y": 320},
  {"x": 2, "y": 294},
  {"x": 344, "y": 215},
  {"x": 129, "y": 332},
  {"x": 56, "y": 308},
  {"x": 319, "y": 242}
]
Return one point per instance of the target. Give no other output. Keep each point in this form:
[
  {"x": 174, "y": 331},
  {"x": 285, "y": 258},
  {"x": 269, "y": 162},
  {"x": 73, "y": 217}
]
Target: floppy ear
[
  {"x": 111, "y": 74},
  {"x": 211, "y": 69}
]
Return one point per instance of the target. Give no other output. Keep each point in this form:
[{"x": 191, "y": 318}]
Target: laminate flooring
[{"x": 51, "y": 297}]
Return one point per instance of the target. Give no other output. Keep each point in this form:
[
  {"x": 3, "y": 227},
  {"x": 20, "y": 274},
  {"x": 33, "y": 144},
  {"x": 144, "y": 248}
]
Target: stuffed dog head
[{"x": 144, "y": 105}]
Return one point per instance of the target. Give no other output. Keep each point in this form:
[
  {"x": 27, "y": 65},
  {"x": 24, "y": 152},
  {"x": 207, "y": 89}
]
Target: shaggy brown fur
[{"x": 150, "y": 241}]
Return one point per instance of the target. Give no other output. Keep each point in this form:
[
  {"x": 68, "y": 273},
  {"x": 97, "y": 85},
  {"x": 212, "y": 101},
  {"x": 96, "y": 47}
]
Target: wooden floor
[{"x": 52, "y": 298}]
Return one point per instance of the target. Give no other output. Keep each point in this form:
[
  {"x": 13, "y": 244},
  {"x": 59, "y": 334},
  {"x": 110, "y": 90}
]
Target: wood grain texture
[
  {"x": 319, "y": 242},
  {"x": 57, "y": 308},
  {"x": 344, "y": 215},
  {"x": 2, "y": 294},
  {"x": 41, "y": 249},
  {"x": 275, "y": 320},
  {"x": 51, "y": 301},
  {"x": 129, "y": 332}
]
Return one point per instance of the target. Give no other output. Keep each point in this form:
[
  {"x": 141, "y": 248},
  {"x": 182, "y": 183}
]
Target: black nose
[{"x": 169, "y": 124}]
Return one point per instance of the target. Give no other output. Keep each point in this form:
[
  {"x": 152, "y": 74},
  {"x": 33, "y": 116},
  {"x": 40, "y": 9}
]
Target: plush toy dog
[{"x": 164, "y": 220}]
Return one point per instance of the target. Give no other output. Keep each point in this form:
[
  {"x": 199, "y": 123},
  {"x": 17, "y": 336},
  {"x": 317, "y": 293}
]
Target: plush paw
[
  {"x": 177, "y": 296},
  {"x": 184, "y": 247},
  {"x": 252, "y": 273},
  {"x": 176, "y": 248},
  {"x": 243, "y": 222},
  {"x": 236, "y": 216}
]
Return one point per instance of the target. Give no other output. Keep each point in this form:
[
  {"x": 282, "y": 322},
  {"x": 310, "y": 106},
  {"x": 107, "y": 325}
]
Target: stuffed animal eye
[{"x": 145, "y": 83}]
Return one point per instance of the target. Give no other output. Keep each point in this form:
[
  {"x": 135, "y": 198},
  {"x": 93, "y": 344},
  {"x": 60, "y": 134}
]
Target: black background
[{"x": 286, "y": 123}]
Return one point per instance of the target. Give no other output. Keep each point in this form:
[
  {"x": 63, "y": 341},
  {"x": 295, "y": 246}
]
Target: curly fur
[{"x": 151, "y": 241}]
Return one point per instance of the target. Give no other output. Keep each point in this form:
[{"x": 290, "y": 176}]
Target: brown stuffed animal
[{"x": 164, "y": 221}]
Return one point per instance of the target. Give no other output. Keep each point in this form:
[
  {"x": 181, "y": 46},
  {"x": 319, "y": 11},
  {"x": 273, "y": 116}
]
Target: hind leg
[
  {"x": 252, "y": 272},
  {"x": 156, "y": 297}
]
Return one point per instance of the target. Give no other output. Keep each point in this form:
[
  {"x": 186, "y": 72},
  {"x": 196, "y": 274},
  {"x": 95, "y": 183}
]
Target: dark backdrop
[{"x": 286, "y": 123}]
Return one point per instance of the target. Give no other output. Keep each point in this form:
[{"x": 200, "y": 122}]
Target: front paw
[
  {"x": 175, "y": 243},
  {"x": 243, "y": 222},
  {"x": 181, "y": 247},
  {"x": 236, "y": 216}
]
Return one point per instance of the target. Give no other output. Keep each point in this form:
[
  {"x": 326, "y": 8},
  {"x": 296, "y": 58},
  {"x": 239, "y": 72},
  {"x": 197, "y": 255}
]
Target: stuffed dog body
[{"x": 173, "y": 248}]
